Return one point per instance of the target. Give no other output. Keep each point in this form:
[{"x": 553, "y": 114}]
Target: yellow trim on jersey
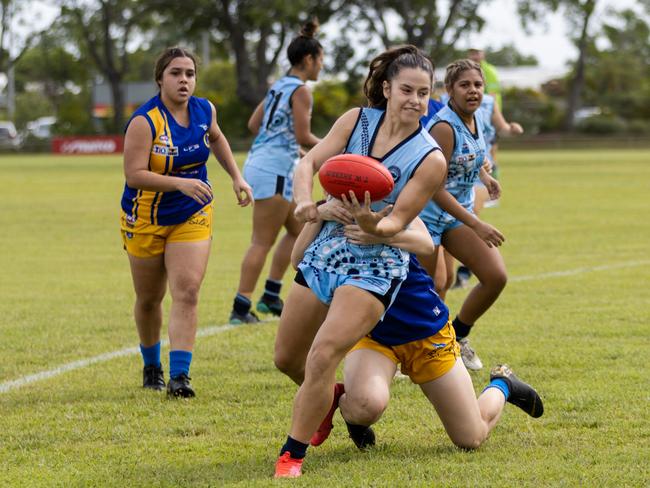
[{"x": 161, "y": 161}]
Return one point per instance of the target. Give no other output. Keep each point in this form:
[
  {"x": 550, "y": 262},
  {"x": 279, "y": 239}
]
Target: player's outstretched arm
[
  {"x": 426, "y": 180},
  {"x": 503, "y": 127},
  {"x": 414, "y": 239},
  {"x": 333, "y": 143}
]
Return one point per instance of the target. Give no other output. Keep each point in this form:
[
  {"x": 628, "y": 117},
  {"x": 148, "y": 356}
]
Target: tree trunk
[
  {"x": 118, "y": 103},
  {"x": 578, "y": 81}
]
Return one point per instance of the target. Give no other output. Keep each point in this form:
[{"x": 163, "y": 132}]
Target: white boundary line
[
  {"x": 82, "y": 363},
  {"x": 571, "y": 272},
  {"x": 217, "y": 329}
]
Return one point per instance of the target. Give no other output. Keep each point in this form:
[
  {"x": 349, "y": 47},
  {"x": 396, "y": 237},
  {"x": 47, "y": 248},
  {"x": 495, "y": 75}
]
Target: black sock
[
  {"x": 241, "y": 304},
  {"x": 296, "y": 448},
  {"x": 272, "y": 290},
  {"x": 464, "y": 270},
  {"x": 462, "y": 329},
  {"x": 356, "y": 430}
]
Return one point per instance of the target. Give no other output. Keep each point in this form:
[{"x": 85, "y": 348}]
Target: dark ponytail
[
  {"x": 387, "y": 65},
  {"x": 305, "y": 44}
]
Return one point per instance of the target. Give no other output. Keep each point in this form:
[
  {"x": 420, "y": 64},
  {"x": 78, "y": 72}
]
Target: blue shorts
[
  {"x": 440, "y": 227},
  {"x": 324, "y": 284},
  {"x": 266, "y": 184}
]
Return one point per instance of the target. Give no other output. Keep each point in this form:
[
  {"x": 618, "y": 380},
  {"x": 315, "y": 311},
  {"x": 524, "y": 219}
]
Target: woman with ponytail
[
  {"x": 282, "y": 124},
  {"x": 343, "y": 288}
]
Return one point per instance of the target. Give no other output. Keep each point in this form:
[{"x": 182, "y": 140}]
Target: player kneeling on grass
[{"x": 416, "y": 332}]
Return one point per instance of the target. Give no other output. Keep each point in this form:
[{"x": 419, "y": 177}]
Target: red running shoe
[
  {"x": 288, "y": 467},
  {"x": 326, "y": 425}
]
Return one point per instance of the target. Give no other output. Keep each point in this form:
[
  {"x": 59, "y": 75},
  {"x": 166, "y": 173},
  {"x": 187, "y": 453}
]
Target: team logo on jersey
[
  {"x": 191, "y": 148},
  {"x": 164, "y": 150},
  {"x": 465, "y": 148},
  {"x": 395, "y": 172},
  {"x": 163, "y": 138}
]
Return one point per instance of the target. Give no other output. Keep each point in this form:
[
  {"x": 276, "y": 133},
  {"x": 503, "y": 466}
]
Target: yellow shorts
[
  {"x": 145, "y": 240},
  {"x": 423, "y": 360}
]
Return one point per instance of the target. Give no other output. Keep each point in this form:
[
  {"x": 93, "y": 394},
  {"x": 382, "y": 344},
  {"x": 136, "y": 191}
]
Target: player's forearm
[
  {"x": 146, "y": 180},
  {"x": 306, "y": 236},
  {"x": 412, "y": 241},
  {"x": 303, "y": 180},
  {"x": 449, "y": 204},
  {"x": 221, "y": 150}
]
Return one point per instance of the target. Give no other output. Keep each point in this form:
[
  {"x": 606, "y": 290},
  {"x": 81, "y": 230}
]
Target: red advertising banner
[{"x": 88, "y": 145}]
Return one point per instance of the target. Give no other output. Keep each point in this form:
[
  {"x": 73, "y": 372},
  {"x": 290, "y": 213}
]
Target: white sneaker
[
  {"x": 469, "y": 356},
  {"x": 400, "y": 376}
]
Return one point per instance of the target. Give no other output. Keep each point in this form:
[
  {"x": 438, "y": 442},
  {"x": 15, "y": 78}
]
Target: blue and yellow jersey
[
  {"x": 176, "y": 151},
  {"x": 416, "y": 313}
]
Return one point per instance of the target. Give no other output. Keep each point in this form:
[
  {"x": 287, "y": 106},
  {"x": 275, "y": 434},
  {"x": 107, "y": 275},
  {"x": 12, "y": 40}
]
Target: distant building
[
  {"x": 135, "y": 94},
  {"x": 521, "y": 76}
]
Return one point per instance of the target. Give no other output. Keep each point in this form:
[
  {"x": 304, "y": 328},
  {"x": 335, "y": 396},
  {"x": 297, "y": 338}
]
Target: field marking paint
[
  {"x": 572, "y": 272},
  {"x": 217, "y": 329},
  {"x": 82, "y": 363}
]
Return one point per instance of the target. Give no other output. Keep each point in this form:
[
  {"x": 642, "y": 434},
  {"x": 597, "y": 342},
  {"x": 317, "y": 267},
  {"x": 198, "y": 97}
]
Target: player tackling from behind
[{"x": 342, "y": 289}]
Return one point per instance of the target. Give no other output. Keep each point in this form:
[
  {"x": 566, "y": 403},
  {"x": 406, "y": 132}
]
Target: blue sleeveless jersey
[
  {"x": 485, "y": 111},
  {"x": 176, "y": 151},
  {"x": 434, "y": 106},
  {"x": 331, "y": 251},
  {"x": 416, "y": 313},
  {"x": 464, "y": 165},
  {"x": 275, "y": 148}
]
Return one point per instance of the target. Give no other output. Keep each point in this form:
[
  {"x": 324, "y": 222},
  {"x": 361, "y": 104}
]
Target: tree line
[{"x": 245, "y": 40}]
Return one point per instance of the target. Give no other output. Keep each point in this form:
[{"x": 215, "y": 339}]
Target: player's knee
[
  {"x": 187, "y": 294},
  {"x": 364, "y": 409},
  {"x": 470, "y": 440},
  {"x": 288, "y": 363},
  {"x": 322, "y": 358},
  {"x": 148, "y": 303},
  {"x": 498, "y": 280}
]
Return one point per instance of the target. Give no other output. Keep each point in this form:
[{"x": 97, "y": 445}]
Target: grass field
[{"x": 574, "y": 321}]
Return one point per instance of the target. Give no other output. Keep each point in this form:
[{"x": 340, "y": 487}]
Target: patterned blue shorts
[{"x": 324, "y": 284}]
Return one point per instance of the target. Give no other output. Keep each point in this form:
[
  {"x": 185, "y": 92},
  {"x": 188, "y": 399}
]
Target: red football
[{"x": 345, "y": 172}]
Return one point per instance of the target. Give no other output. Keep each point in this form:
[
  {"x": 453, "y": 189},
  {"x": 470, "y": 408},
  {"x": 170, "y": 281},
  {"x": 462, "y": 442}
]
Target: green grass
[{"x": 582, "y": 339}]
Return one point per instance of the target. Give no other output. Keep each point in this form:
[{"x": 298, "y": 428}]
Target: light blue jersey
[
  {"x": 464, "y": 166},
  {"x": 275, "y": 149},
  {"x": 485, "y": 111},
  {"x": 331, "y": 251}
]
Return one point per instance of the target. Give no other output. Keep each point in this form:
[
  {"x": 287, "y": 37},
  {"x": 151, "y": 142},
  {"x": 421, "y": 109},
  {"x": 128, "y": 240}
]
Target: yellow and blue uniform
[
  {"x": 151, "y": 218},
  {"x": 415, "y": 330}
]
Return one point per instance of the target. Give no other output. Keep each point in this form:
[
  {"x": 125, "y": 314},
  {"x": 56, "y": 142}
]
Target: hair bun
[{"x": 310, "y": 28}]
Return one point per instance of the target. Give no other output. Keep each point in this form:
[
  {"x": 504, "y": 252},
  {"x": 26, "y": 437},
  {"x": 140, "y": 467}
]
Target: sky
[{"x": 551, "y": 45}]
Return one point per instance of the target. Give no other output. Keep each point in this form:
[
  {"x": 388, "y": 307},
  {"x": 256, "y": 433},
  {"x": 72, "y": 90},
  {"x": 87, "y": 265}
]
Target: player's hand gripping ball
[{"x": 344, "y": 172}]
